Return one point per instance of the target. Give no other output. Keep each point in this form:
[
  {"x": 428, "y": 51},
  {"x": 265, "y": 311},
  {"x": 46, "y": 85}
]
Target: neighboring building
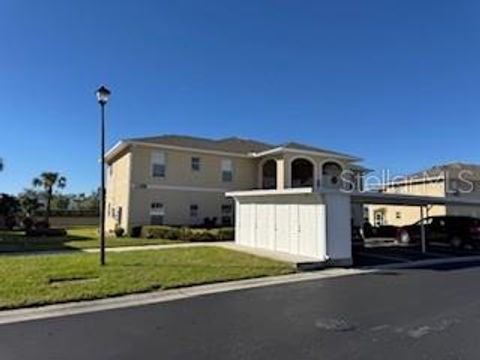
[
  {"x": 182, "y": 180},
  {"x": 455, "y": 180}
]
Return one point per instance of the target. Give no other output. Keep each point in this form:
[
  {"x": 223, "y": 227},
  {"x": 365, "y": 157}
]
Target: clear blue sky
[{"x": 395, "y": 82}]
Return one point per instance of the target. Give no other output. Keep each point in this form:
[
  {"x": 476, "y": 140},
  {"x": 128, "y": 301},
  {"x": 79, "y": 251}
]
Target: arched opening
[
  {"x": 269, "y": 174},
  {"x": 302, "y": 173},
  {"x": 331, "y": 174}
]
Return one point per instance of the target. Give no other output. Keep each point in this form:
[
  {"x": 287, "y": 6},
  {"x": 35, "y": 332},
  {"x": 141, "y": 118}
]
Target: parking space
[{"x": 386, "y": 251}]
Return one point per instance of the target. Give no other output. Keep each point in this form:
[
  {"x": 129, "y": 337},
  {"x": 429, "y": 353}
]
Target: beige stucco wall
[
  {"x": 179, "y": 172},
  {"x": 133, "y": 187},
  {"x": 118, "y": 191},
  {"x": 180, "y": 188},
  {"x": 177, "y": 206}
]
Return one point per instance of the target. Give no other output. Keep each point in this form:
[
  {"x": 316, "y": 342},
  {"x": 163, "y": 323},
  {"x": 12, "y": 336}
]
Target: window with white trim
[
  {"x": 157, "y": 213},
  {"x": 227, "y": 214},
  {"x": 195, "y": 163},
  {"x": 194, "y": 211},
  {"x": 158, "y": 164},
  {"x": 227, "y": 170}
]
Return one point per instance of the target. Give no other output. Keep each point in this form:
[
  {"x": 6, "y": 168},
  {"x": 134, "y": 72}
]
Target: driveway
[
  {"x": 424, "y": 313},
  {"x": 385, "y": 251}
]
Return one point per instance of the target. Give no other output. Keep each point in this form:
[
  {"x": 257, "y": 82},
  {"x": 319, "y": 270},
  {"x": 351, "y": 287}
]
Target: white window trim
[
  {"x": 158, "y": 158},
  {"x": 160, "y": 210},
  {"x": 227, "y": 166},
  {"x": 196, "y": 215},
  {"x": 199, "y": 163}
]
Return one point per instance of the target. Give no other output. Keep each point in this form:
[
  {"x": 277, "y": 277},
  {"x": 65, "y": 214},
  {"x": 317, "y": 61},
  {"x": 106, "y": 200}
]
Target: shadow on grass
[{"x": 18, "y": 242}]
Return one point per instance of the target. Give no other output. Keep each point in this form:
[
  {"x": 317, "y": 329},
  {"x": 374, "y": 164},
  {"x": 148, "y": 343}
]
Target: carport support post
[{"x": 422, "y": 229}]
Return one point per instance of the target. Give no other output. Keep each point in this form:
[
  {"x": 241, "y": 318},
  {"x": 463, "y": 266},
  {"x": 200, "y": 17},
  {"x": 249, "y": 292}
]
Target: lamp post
[{"x": 102, "y": 98}]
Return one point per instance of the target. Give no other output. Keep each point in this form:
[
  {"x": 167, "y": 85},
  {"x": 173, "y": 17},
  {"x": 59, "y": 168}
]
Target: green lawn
[
  {"x": 47, "y": 279},
  {"x": 77, "y": 238}
]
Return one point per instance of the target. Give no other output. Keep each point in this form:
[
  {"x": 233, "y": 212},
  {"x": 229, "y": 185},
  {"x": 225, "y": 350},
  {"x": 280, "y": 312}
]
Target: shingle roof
[
  {"x": 453, "y": 171},
  {"x": 298, "y": 146},
  {"x": 231, "y": 144}
]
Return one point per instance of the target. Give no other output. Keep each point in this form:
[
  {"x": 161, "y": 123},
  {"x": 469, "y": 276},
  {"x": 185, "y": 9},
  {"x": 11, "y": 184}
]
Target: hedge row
[{"x": 186, "y": 234}]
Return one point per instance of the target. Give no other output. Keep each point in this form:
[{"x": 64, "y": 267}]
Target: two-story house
[{"x": 182, "y": 180}]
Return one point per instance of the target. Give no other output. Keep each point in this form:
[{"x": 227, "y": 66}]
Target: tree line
[{"x": 43, "y": 197}]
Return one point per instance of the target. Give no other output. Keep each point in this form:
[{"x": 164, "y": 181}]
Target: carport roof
[
  {"x": 410, "y": 200},
  {"x": 368, "y": 197}
]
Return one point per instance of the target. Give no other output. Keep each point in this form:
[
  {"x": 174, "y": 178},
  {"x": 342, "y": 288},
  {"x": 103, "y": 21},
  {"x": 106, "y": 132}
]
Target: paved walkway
[
  {"x": 115, "y": 249},
  {"x": 308, "y": 263},
  {"x": 159, "y": 247}
]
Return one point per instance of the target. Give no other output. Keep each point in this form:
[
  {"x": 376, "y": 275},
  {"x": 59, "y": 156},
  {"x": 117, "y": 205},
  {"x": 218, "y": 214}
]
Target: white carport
[
  {"x": 423, "y": 202},
  {"x": 316, "y": 224}
]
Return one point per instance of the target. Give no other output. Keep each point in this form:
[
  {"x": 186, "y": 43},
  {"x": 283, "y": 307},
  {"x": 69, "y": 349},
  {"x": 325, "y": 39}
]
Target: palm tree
[
  {"x": 48, "y": 181},
  {"x": 29, "y": 202}
]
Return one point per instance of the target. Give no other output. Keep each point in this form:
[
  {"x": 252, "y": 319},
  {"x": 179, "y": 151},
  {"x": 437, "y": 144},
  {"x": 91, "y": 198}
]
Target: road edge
[{"x": 133, "y": 300}]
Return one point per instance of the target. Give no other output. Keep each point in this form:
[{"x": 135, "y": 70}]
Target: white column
[
  {"x": 422, "y": 229},
  {"x": 339, "y": 227}
]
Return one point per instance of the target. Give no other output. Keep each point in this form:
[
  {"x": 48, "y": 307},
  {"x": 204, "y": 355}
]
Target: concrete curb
[{"x": 82, "y": 307}]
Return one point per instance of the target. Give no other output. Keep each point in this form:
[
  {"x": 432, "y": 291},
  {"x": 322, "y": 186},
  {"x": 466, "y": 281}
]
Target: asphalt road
[{"x": 409, "y": 314}]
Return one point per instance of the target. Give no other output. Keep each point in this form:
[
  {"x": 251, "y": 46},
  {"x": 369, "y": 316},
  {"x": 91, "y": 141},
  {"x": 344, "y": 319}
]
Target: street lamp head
[{"x": 102, "y": 95}]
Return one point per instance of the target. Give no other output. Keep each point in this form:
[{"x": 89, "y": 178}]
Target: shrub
[
  {"x": 10, "y": 222},
  {"x": 186, "y": 234},
  {"x": 119, "y": 231},
  {"x": 28, "y": 223},
  {"x": 42, "y": 225},
  {"x": 226, "y": 234},
  {"x": 136, "y": 232},
  {"x": 161, "y": 232},
  {"x": 208, "y": 235}
]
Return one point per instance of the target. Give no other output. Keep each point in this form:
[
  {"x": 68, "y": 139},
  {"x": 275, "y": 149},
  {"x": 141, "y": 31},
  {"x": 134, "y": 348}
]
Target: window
[
  {"x": 157, "y": 213},
  {"x": 331, "y": 174},
  {"x": 195, "y": 164},
  {"x": 302, "y": 171},
  {"x": 158, "y": 164},
  {"x": 119, "y": 215},
  {"x": 227, "y": 170},
  {"x": 269, "y": 174},
  {"x": 227, "y": 212},
  {"x": 194, "y": 211}
]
